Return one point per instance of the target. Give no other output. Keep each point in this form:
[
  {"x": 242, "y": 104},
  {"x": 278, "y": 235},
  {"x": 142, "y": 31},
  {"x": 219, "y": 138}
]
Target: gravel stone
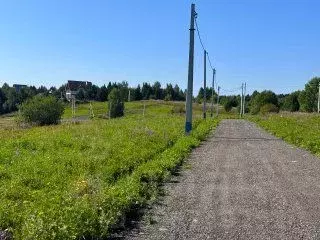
[{"x": 242, "y": 183}]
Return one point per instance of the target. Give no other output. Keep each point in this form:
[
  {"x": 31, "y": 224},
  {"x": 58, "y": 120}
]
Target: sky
[{"x": 269, "y": 44}]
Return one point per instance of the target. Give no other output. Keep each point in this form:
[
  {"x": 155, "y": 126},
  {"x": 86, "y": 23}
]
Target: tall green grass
[
  {"x": 77, "y": 180},
  {"x": 302, "y": 130}
]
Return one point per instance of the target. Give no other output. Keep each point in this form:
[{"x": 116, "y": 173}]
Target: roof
[{"x": 75, "y": 85}]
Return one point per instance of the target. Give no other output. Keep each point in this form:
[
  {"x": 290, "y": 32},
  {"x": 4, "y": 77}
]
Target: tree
[
  {"x": 291, "y": 102},
  {"x": 269, "y": 108},
  {"x": 124, "y": 90},
  {"x": 169, "y": 92},
  {"x": 200, "y": 96},
  {"x": 2, "y": 101},
  {"x": 102, "y": 94},
  {"x": 92, "y": 92},
  {"x": 42, "y": 110},
  {"x": 146, "y": 91},
  {"x": 157, "y": 90},
  {"x": 81, "y": 95},
  {"x": 116, "y": 103},
  {"x": 309, "y": 96},
  {"x": 11, "y": 104},
  {"x": 230, "y": 102},
  {"x": 261, "y": 99},
  {"x": 43, "y": 90},
  {"x": 137, "y": 93}
]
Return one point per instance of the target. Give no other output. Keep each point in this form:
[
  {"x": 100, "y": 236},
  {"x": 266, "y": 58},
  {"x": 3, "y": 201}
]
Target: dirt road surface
[{"x": 242, "y": 183}]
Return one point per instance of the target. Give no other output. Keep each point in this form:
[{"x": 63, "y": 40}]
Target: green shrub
[
  {"x": 291, "y": 102},
  {"x": 260, "y": 99},
  {"x": 269, "y": 108},
  {"x": 116, "y": 105},
  {"x": 229, "y": 103},
  {"x": 228, "y": 106},
  {"x": 178, "y": 109},
  {"x": 41, "y": 110}
]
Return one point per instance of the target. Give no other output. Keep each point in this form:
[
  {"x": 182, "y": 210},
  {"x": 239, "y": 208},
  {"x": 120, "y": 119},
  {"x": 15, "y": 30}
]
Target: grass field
[
  {"x": 75, "y": 181},
  {"x": 300, "y": 129},
  {"x": 100, "y": 109}
]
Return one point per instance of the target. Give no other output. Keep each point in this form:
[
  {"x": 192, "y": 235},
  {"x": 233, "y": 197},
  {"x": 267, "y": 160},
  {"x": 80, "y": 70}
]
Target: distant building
[
  {"x": 18, "y": 87},
  {"x": 73, "y": 87}
]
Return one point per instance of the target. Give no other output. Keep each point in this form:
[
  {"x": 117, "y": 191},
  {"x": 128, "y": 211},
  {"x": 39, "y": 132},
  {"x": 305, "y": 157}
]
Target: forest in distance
[{"x": 303, "y": 100}]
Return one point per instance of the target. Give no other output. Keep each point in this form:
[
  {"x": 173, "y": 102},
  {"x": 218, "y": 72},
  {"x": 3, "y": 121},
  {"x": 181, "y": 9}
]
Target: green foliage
[
  {"x": 291, "y": 102},
  {"x": 178, "y": 109},
  {"x": 76, "y": 181},
  {"x": 269, "y": 108},
  {"x": 200, "y": 96},
  {"x": 116, "y": 104},
  {"x": 2, "y": 101},
  {"x": 81, "y": 95},
  {"x": 42, "y": 110},
  {"x": 260, "y": 99},
  {"x": 229, "y": 103},
  {"x": 299, "y": 129},
  {"x": 309, "y": 96}
]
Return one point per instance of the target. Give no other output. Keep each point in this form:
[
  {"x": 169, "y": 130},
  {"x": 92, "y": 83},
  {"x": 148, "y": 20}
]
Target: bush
[
  {"x": 178, "y": 109},
  {"x": 229, "y": 102},
  {"x": 261, "y": 99},
  {"x": 291, "y": 102},
  {"x": 41, "y": 110},
  {"x": 116, "y": 105},
  {"x": 269, "y": 108}
]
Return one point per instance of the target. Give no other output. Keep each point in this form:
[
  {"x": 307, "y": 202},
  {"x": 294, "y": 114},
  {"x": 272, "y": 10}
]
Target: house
[{"x": 73, "y": 87}]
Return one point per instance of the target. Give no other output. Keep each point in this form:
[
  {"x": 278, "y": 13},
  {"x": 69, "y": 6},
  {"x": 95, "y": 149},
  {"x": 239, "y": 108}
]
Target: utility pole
[
  {"x": 129, "y": 96},
  {"x": 319, "y": 98},
  {"x": 73, "y": 106},
  {"x": 218, "y": 101},
  {"x": 188, "y": 125},
  {"x": 244, "y": 99},
  {"x": 144, "y": 108},
  {"x": 241, "y": 102},
  {"x": 212, "y": 92},
  {"x": 205, "y": 84},
  {"x": 91, "y": 110}
]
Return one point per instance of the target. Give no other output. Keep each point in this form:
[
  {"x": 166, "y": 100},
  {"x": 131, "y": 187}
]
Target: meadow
[
  {"x": 78, "y": 180},
  {"x": 300, "y": 129}
]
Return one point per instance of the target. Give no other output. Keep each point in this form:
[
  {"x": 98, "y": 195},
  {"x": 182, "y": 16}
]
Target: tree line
[
  {"x": 304, "y": 100},
  {"x": 11, "y": 98}
]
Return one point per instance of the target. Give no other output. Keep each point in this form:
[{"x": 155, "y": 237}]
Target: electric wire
[{"x": 202, "y": 45}]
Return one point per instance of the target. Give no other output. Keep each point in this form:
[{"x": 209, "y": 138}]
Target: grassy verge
[
  {"x": 302, "y": 130},
  {"x": 75, "y": 181}
]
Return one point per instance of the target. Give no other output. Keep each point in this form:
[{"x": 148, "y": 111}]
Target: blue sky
[{"x": 270, "y": 44}]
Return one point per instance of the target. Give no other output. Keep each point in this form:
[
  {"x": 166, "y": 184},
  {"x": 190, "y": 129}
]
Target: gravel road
[{"x": 242, "y": 183}]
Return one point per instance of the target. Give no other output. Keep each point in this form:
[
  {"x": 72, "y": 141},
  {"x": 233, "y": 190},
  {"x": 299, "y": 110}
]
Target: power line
[
  {"x": 197, "y": 28},
  {"x": 209, "y": 60},
  {"x": 202, "y": 45},
  {"x": 231, "y": 90}
]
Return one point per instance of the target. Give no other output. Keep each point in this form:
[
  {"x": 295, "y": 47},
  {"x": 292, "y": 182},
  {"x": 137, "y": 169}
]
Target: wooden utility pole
[
  {"x": 218, "y": 101},
  {"x": 241, "y": 100},
  {"x": 319, "y": 98},
  {"x": 244, "y": 99},
  {"x": 204, "y": 84},
  {"x": 188, "y": 124},
  {"x": 144, "y": 108},
  {"x": 212, "y": 91},
  {"x": 73, "y": 106}
]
